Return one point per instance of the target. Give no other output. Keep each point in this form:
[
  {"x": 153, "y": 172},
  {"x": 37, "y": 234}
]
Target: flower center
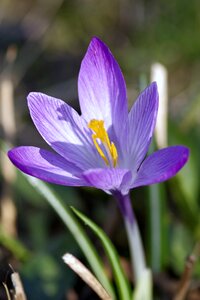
[{"x": 109, "y": 151}]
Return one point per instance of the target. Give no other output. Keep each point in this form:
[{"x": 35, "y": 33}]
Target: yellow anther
[
  {"x": 114, "y": 154},
  {"x": 97, "y": 126}
]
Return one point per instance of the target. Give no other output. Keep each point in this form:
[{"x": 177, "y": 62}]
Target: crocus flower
[{"x": 104, "y": 147}]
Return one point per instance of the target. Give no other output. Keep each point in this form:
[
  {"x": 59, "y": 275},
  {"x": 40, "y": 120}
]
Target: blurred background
[{"x": 42, "y": 44}]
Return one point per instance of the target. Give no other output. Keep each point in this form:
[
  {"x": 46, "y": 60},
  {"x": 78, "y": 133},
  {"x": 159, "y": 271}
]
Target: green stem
[
  {"x": 155, "y": 227},
  {"x": 133, "y": 234}
]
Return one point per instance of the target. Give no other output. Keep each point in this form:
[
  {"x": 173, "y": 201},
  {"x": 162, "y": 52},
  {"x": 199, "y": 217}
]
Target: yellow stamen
[{"x": 101, "y": 134}]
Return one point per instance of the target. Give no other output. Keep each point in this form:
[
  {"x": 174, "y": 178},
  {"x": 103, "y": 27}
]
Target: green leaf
[
  {"x": 155, "y": 226},
  {"x": 157, "y": 229},
  {"x": 157, "y": 217},
  {"x": 120, "y": 278},
  {"x": 77, "y": 231}
]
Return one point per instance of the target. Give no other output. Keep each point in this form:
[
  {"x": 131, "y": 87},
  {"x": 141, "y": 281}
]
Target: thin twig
[
  {"x": 187, "y": 274},
  {"x": 7, "y": 291},
  {"x": 86, "y": 276},
  {"x": 19, "y": 290}
]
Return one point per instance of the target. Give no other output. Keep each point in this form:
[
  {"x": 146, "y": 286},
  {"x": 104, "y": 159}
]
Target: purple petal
[
  {"x": 161, "y": 165},
  {"x": 63, "y": 129},
  {"x": 101, "y": 87},
  {"x": 109, "y": 179},
  {"x": 45, "y": 165},
  {"x": 141, "y": 123}
]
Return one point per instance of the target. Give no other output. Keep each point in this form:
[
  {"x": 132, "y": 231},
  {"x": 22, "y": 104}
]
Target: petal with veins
[
  {"x": 46, "y": 165},
  {"x": 141, "y": 123},
  {"x": 63, "y": 129},
  {"x": 161, "y": 165},
  {"x": 101, "y": 87}
]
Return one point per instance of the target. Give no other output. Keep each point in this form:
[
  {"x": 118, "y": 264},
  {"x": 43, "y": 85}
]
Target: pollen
[{"x": 104, "y": 146}]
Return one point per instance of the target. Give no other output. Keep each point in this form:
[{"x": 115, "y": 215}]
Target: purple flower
[{"x": 106, "y": 146}]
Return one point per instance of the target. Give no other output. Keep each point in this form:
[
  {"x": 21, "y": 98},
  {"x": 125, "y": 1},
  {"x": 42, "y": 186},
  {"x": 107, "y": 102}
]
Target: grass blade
[
  {"x": 120, "y": 278},
  {"x": 77, "y": 231}
]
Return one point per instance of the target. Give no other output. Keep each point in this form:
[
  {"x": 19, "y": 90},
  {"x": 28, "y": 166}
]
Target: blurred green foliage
[{"x": 50, "y": 39}]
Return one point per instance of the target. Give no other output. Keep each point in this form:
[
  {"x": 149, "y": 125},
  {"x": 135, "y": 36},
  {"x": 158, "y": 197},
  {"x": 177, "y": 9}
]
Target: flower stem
[{"x": 133, "y": 234}]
